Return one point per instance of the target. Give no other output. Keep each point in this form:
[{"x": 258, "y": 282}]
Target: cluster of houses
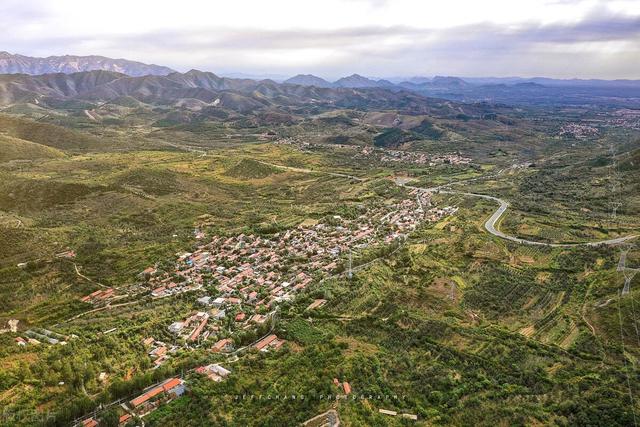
[
  {"x": 39, "y": 335},
  {"x": 158, "y": 351},
  {"x": 343, "y": 386},
  {"x": 626, "y": 118},
  {"x": 413, "y": 157},
  {"x": 258, "y": 271},
  {"x": 578, "y": 131},
  {"x": 99, "y": 297},
  {"x": 192, "y": 329},
  {"x": 246, "y": 276},
  {"x": 168, "y": 284}
]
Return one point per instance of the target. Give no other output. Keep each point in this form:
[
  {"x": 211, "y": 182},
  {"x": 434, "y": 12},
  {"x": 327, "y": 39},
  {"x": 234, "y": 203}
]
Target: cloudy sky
[{"x": 332, "y": 38}]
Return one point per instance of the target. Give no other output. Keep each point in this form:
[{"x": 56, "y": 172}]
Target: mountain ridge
[{"x": 22, "y": 64}]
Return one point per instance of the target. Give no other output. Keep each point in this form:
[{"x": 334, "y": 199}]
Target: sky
[{"x": 334, "y": 38}]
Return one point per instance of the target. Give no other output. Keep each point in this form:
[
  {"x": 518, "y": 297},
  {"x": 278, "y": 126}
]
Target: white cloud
[{"x": 333, "y": 37}]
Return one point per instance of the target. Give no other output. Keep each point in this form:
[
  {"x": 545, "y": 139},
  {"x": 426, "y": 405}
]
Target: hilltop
[{"x": 21, "y": 64}]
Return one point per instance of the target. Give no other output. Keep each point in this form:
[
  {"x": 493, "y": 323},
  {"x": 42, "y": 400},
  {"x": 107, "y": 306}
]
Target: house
[
  {"x": 317, "y": 304},
  {"x": 269, "y": 342},
  {"x": 145, "y": 397},
  {"x": 21, "y": 342},
  {"x": 198, "y": 330},
  {"x": 347, "y": 387},
  {"x": 173, "y": 387},
  {"x": 158, "y": 352},
  {"x": 90, "y": 422},
  {"x": 258, "y": 318},
  {"x": 240, "y": 317},
  {"x": 224, "y": 345},
  {"x": 124, "y": 419},
  {"x": 148, "y": 341},
  {"x": 148, "y": 272},
  {"x": 67, "y": 254},
  {"x": 204, "y": 301},
  {"x": 387, "y": 412},
  {"x": 158, "y": 292},
  {"x": 218, "y": 302},
  {"x": 176, "y": 327},
  {"x": 215, "y": 372},
  {"x": 218, "y": 314},
  {"x": 252, "y": 296}
]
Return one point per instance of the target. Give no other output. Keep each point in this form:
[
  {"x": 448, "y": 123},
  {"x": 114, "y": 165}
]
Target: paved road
[{"x": 490, "y": 226}]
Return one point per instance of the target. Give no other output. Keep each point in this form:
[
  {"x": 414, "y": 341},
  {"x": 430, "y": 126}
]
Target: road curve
[{"x": 490, "y": 226}]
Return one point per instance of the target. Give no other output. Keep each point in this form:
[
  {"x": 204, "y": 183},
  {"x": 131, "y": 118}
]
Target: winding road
[{"x": 490, "y": 224}]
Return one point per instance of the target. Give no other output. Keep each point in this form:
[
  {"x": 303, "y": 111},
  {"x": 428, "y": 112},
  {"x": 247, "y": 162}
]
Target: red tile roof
[
  {"x": 265, "y": 341},
  {"x": 347, "y": 387},
  {"x": 171, "y": 384},
  {"x": 217, "y": 347},
  {"x": 146, "y": 396}
]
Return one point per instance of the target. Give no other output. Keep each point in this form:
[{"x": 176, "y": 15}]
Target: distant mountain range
[
  {"x": 509, "y": 90},
  {"x": 20, "y": 64},
  {"x": 203, "y": 91},
  {"x": 352, "y": 81}
]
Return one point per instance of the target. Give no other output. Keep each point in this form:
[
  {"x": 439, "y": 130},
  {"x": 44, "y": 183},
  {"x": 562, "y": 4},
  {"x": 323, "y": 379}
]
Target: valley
[{"x": 194, "y": 250}]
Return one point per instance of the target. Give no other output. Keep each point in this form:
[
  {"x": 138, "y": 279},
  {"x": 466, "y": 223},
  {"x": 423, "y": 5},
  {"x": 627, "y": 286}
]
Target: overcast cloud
[{"x": 332, "y": 38}]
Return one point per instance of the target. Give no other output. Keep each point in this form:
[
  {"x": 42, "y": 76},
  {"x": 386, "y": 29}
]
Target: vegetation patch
[{"x": 251, "y": 169}]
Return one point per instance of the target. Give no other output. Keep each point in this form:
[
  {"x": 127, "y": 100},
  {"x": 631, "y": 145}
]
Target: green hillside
[{"x": 18, "y": 149}]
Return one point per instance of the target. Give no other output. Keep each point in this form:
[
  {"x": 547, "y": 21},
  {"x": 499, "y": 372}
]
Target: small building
[
  {"x": 176, "y": 327},
  {"x": 269, "y": 342},
  {"x": 347, "y": 387},
  {"x": 204, "y": 301},
  {"x": 317, "y": 304},
  {"x": 124, "y": 419},
  {"x": 90, "y": 422},
  {"x": 223, "y": 346},
  {"x": 214, "y": 372}
]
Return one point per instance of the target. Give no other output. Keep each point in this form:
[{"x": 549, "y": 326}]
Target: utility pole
[{"x": 350, "y": 273}]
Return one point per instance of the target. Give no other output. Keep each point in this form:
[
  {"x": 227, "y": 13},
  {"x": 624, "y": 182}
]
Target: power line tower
[
  {"x": 629, "y": 274},
  {"x": 350, "y": 272},
  {"x": 614, "y": 209}
]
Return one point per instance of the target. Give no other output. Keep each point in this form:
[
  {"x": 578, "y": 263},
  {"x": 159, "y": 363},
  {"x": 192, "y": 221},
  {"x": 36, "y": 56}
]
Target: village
[
  {"x": 245, "y": 278},
  {"x": 414, "y": 157},
  {"x": 383, "y": 155}
]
